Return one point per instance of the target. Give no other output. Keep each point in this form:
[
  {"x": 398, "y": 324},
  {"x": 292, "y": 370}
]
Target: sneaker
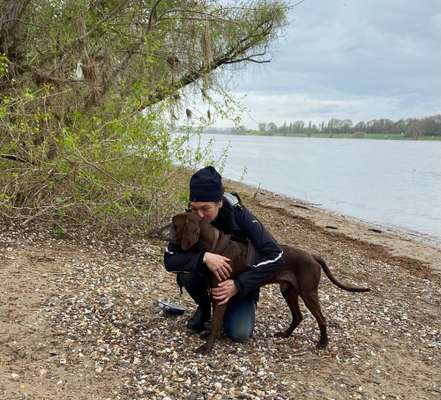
[{"x": 197, "y": 321}]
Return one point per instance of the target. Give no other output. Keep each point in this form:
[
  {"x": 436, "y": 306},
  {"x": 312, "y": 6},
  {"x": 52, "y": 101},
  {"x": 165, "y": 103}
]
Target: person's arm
[
  {"x": 269, "y": 253},
  {"x": 176, "y": 260}
]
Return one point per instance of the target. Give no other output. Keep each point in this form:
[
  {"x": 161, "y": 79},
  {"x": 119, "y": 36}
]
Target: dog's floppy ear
[
  {"x": 178, "y": 225},
  {"x": 191, "y": 233}
]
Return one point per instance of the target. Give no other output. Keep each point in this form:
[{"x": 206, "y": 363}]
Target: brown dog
[{"x": 299, "y": 276}]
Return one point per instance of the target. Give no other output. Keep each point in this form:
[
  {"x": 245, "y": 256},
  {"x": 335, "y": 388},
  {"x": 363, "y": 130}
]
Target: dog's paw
[
  {"x": 321, "y": 345},
  {"x": 204, "y": 349},
  {"x": 204, "y": 334}
]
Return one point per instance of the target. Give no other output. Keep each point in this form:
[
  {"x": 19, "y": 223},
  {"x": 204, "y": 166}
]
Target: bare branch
[
  {"x": 250, "y": 59},
  {"x": 228, "y": 57},
  {"x": 13, "y": 157},
  {"x": 153, "y": 16}
]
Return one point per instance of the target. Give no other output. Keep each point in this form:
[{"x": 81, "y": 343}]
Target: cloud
[
  {"x": 344, "y": 59},
  {"x": 281, "y": 108}
]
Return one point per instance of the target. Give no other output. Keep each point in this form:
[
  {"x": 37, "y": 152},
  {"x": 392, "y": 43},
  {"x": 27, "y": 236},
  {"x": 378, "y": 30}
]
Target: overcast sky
[{"x": 359, "y": 59}]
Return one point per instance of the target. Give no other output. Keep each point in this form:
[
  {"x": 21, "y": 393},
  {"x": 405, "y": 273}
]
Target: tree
[
  {"x": 360, "y": 126},
  {"x": 413, "y": 130},
  {"x": 272, "y": 127},
  {"x": 299, "y": 126},
  {"x": 238, "y": 130},
  {"x": 87, "y": 82},
  {"x": 116, "y": 45},
  {"x": 284, "y": 128},
  {"x": 262, "y": 127},
  {"x": 346, "y": 125}
]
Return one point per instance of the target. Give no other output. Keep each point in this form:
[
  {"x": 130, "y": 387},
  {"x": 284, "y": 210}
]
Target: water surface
[{"x": 390, "y": 183}]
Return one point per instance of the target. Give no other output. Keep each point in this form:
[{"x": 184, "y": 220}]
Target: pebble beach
[{"x": 79, "y": 318}]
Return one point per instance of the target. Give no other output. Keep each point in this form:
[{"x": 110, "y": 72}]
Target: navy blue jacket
[{"x": 237, "y": 220}]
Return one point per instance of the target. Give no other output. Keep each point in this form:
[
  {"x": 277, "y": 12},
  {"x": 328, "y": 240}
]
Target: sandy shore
[{"x": 79, "y": 319}]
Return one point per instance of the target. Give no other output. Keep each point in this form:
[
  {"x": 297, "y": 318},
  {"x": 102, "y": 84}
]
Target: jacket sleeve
[
  {"x": 269, "y": 253},
  {"x": 177, "y": 260}
]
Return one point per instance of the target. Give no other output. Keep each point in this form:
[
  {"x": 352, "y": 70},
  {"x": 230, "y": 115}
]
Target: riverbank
[{"x": 79, "y": 318}]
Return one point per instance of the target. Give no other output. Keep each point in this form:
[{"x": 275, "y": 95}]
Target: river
[{"x": 391, "y": 183}]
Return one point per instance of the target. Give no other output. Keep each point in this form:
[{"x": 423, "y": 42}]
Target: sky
[{"x": 357, "y": 60}]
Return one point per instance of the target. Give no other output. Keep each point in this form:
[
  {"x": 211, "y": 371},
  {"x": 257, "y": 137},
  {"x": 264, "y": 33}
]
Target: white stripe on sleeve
[
  {"x": 269, "y": 261},
  {"x": 168, "y": 251}
]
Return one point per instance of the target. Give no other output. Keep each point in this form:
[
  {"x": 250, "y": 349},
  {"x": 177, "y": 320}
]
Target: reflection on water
[{"x": 394, "y": 183}]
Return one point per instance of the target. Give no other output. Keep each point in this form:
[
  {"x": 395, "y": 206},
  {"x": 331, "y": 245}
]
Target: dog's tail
[{"x": 335, "y": 281}]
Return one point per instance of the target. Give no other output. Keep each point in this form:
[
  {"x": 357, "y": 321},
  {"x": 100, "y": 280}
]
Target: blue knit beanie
[{"x": 206, "y": 185}]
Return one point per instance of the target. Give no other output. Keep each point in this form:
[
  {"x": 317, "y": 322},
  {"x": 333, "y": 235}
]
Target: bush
[{"x": 116, "y": 173}]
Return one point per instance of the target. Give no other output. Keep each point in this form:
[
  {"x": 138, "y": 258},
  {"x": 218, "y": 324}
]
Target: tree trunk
[{"x": 10, "y": 24}]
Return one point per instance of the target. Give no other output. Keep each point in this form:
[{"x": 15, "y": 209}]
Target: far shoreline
[{"x": 374, "y": 136}]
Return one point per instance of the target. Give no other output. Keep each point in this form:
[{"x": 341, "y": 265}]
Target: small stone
[{"x": 15, "y": 377}]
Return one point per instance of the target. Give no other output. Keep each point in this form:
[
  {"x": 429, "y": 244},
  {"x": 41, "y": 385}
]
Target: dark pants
[{"x": 240, "y": 315}]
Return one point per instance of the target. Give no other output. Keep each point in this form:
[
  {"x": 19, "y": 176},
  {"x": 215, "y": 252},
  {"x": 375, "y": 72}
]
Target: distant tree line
[{"x": 411, "y": 127}]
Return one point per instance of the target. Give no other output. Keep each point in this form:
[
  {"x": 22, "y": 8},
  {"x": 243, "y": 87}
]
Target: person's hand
[
  {"x": 218, "y": 265},
  {"x": 224, "y": 291}
]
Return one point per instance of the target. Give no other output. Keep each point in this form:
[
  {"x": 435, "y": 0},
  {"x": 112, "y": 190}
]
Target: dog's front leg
[{"x": 215, "y": 329}]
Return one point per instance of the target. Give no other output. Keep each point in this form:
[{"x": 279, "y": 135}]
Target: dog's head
[{"x": 186, "y": 229}]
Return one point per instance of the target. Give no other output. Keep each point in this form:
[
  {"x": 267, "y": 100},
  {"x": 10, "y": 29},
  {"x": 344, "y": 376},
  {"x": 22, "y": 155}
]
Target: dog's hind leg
[
  {"x": 313, "y": 304},
  {"x": 292, "y": 298}
]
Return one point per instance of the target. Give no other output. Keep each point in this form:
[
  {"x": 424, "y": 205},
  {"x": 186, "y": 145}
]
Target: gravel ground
[{"x": 79, "y": 320}]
